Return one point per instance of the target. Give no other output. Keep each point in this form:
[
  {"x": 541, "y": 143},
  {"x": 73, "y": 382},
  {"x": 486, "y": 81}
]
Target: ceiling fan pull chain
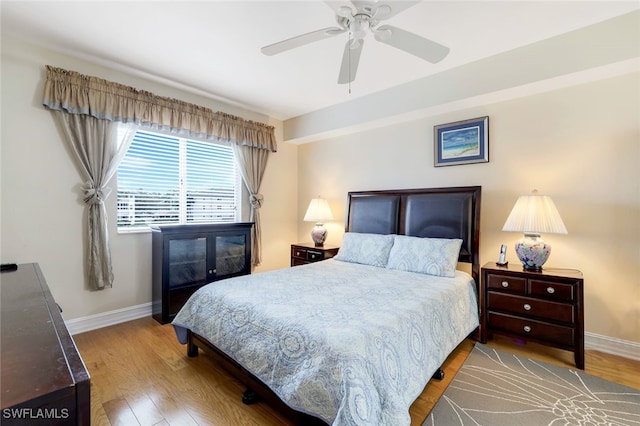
[{"x": 350, "y": 41}]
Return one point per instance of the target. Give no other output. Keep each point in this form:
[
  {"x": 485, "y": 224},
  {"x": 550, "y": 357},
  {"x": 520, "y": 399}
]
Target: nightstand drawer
[
  {"x": 297, "y": 262},
  {"x": 531, "y": 307},
  {"x": 509, "y": 284},
  {"x": 311, "y": 255},
  {"x": 299, "y": 252},
  {"x": 563, "y": 336},
  {"x": 551, "y": 290},
  {"x": 304, "y": 253},
  {"x": 314, "y": 255}
]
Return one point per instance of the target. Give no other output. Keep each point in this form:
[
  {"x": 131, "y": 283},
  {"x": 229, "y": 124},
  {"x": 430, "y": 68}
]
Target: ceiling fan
[{"x": 358, "y": 18}]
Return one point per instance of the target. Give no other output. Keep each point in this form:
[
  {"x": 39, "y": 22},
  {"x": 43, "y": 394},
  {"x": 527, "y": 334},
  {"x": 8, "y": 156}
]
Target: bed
[{"x": 353, "y": 339}]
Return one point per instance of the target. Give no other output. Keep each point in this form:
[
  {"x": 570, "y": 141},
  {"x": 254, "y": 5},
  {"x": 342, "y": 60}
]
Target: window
[{"x": 170, "y": 180}]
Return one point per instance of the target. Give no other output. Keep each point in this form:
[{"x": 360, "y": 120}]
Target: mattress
[{"x": 349, "y": 343}]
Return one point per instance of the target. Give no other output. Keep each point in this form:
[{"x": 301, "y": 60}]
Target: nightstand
[
  {"x": 545, "y": 307},
  {"x": 303, "y": 253}
]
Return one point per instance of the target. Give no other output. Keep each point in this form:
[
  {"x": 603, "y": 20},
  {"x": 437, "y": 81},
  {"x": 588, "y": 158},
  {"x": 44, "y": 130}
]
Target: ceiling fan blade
[
  {"x": 363, "y": 5},
  {"x": 380, "y": 10},
  {"x": 411, "y": 43},
  {"x": 350, "y": 61},
  {"x": 301, "y": 40},
  {"x": 336, "y": 5},
  {"x": 388, "y": 9}
]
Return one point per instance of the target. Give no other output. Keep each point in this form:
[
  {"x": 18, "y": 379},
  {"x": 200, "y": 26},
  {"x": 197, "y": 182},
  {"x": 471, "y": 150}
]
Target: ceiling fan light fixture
[
  {"x": 382, "y": 35},
  {"x": 344, "y": 12},
  {"x": 355, "y": 43},
  {"x": 381, "y": 11},
  {"x": 359, "y": 26}
]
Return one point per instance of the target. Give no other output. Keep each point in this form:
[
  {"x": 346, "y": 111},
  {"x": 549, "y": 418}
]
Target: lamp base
[
  {"x": 532, "y": 268},
  {"x": 319, "y": 234},
  {"x": 533, "y": 252}
]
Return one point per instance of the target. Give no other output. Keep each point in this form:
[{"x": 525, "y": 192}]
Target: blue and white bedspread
[{"x": 351, "y": 344}]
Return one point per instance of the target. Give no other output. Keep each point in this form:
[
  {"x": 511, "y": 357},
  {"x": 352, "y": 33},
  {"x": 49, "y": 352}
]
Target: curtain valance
[{"x": 76, "y": 93}]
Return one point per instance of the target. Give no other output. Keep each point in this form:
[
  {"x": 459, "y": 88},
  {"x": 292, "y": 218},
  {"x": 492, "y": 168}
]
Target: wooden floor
[{"x": 140, "y": 375}]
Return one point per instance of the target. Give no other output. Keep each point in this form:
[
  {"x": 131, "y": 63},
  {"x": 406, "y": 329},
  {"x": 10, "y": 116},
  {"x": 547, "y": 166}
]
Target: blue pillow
[
  {"x": 432, "y": 256},
  {"x": 367, "y": 249}
]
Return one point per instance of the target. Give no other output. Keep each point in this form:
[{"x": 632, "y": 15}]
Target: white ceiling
[{"x": 213, "y": 47}]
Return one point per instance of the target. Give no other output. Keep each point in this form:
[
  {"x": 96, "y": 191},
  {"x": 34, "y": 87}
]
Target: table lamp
[
  {"x": 534, "y": 214},
  {"x": 318, "y": 212}
]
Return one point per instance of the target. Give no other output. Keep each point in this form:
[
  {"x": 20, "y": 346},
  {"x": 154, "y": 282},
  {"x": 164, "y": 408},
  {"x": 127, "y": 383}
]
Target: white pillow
[
  {"x": 368, "y": 249},
  {"x": 432, "y": 256}
]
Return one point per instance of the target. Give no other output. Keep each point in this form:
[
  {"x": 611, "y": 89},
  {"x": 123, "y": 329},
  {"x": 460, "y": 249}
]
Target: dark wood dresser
[
  {"x": 44, "y": 380},
  {"x": 187, "y": 257},
  {"x": 542, "y": 306}
]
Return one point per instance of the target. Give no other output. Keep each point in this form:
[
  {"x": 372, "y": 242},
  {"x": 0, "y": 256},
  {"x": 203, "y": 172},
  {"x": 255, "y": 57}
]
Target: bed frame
[{"x": 430, "y": 212}]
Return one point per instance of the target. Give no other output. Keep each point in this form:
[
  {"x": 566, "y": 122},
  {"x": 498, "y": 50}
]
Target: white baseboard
[
  {"x": 613, "y": 346},
  {"x": 105, "y": 319},
  {"x": 610, "y": 345}
]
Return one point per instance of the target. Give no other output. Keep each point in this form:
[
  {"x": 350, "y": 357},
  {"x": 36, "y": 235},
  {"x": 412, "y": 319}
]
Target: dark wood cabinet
[
  {"x": 303, "y": 253},
  {"x": 186, "y": 257},
  {"x": 542, "y": 306},
  {"x": 44, "y": 380}
]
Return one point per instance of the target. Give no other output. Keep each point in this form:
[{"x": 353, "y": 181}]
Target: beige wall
[
  {"x": 580, "y": 145},
  {"x": 41, "y": 213}
]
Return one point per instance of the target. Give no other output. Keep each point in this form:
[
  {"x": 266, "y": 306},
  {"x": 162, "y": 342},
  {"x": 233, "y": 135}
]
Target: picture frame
[{"x": 461, "y": 142}]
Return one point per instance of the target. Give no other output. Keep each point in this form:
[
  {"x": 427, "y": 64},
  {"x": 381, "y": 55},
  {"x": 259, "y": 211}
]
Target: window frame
[{"x": 183, "y": 201}]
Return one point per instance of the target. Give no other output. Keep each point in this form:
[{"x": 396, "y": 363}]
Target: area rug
[{"x": 496, "y": 388}]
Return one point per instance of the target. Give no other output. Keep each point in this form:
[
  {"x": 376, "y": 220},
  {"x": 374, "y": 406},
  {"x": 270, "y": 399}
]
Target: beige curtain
[
  {"x": 97, "y": 152},
  {"x": 253, "y": 162},
  {"x": 86, "y": 107}
]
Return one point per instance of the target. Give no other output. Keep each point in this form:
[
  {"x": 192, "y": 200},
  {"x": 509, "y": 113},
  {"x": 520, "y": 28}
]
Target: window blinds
[{"x": 168, "y": 180}]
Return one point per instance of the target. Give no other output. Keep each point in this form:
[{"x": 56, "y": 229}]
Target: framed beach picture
[{"x": 462, "y": 142}]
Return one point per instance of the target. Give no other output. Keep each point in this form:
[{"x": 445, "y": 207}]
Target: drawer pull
[
  {"x": 313, "y": 256},
  {"x": 527, "y": 329},
  {"x": 551, "y": 290},
  {"x": 298, "y": 253},
  {"x": 527, "y": 307},
  {"x": 505, "y": 284}
]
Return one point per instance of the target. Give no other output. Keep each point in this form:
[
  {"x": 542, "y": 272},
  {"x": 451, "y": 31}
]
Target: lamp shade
[
  {"x": 535, "y": 214},
  {"x": 318, "y": 211}
]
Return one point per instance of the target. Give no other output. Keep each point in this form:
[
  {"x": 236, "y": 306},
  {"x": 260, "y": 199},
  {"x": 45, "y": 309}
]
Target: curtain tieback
[
  {"x": 256, "y": 200},
  {"x": 93, "y": 195}
]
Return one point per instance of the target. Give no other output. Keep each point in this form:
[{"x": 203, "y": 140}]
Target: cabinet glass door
[
  {"x": 230, "y": 254},
  {"x": 187, "y": 261}
]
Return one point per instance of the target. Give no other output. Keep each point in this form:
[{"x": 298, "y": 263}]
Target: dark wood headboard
[{"x": 427, "y": 212}]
